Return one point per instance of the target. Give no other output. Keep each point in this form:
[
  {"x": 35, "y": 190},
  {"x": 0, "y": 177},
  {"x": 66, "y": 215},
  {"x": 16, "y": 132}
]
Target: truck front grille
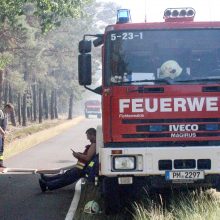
[
  {"x": 184, "y": 164},
  {"x": 202, "y": 164},
  {"x": 190, "y": 128},
  {"x": 165, "y": 164}
]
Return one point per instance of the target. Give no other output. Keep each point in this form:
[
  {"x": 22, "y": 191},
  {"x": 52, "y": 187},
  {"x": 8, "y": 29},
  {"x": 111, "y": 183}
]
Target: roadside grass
[
  {"x": 190, "y": 205},
  {"x": 19, "y": 139},
  {"x": 181, "y": 205}
]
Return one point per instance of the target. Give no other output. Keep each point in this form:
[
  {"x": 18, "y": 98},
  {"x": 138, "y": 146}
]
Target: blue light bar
[
  {"x": 212, "y": 127},
  {"x": 155, "y": 128},
  {"x": 123, "y": 16}
]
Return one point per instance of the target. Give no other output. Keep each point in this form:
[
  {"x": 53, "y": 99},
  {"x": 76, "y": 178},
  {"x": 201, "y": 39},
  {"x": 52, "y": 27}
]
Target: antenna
[{"x": 145, "y": 19}]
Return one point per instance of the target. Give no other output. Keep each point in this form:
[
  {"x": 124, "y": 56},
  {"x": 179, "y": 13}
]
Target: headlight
[{"x": 124, "y": 163}]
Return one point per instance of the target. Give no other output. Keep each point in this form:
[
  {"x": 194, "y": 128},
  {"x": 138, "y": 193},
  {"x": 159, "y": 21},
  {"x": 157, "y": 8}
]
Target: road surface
[{"x": 20, "y": 195}]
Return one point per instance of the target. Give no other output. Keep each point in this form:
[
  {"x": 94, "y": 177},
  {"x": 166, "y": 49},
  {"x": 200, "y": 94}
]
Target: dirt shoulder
[{"x": 90, "y": 192}]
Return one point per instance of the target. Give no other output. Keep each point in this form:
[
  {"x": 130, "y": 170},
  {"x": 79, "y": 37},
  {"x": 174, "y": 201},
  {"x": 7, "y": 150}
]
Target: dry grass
[
  {"x": 183, "y": 205},
  {"x": 195, "y": 205},
  {"x": 20, "y": 139}
]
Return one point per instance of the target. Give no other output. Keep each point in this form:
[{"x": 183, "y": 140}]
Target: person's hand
[{"x": 75, "y": 154}]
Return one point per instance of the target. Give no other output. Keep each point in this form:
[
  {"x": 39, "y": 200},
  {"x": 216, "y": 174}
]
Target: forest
[{"x": 39, "y": 52}]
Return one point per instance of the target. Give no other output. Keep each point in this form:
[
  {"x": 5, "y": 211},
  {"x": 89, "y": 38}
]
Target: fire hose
[{"x": 33, "y": 171}]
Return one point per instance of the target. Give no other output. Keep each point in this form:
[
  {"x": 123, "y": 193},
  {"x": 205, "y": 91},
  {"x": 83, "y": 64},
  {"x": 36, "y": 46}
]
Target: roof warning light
[
  {"x": 123, "y": 16},
  {"x": 179, "y": 14}
]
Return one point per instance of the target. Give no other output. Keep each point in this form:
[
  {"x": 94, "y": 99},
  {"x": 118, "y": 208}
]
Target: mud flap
[{"x": 111, "y": 195}]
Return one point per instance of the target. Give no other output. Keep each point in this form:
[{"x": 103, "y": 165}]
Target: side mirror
[
  {"x": 85, "y": 69},
  {"x": 85, "y": 46},
  {"x": 99, "y": 40}
]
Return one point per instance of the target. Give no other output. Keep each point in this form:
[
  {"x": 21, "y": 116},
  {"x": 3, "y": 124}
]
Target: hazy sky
[{"x": 206, "y": 10}]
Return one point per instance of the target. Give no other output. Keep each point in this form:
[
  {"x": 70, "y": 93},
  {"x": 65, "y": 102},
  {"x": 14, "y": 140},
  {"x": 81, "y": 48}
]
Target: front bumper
[{"x": 148, "y": 159}]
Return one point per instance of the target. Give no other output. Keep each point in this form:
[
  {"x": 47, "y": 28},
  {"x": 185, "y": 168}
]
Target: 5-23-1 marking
[{"x": 127, "y": 36}]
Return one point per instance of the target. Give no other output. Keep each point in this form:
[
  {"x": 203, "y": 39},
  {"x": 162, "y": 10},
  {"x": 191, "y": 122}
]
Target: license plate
[
  {"x": 125, "y": 180},
  {"x": 185, "y": 175}
]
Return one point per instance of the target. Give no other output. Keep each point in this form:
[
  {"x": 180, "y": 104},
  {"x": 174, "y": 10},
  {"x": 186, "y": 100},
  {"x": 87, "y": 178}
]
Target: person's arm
[
  {"x": 2, "y": 132},
  {"x": 87, "y": 157}
]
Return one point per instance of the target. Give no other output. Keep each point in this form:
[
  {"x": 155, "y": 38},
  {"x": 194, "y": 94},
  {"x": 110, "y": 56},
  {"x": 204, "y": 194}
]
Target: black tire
[{"x": 111, "y": 196}]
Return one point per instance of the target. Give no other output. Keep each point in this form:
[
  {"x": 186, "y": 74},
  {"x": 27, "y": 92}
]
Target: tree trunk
[
  {"x": 5, "y": 95},
  {"x": 70, "y": 115},
  {"x": 55, "y": 104},
  {"x": 34, "y": 102},
  {"x": 1, "y": 85},
  {"x": 26, "y": 75},
  {"x": 12, "y": 115},
  {"x": 10, "y": 94},
  {"x": 52, "y": 116},
  {"x": 19, "y": 108},
  {"x": 29, "y": 113},
  {"x": 29, "y": 103},
  {"x": 13, "y": 119},
  {"x": 40, "y": 105},
  {"x": 45, "y": 104},
  {"x": 24, "y": 111}
]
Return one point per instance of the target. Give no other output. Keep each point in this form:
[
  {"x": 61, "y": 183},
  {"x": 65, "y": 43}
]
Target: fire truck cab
[{"x": 160, "y": 102}]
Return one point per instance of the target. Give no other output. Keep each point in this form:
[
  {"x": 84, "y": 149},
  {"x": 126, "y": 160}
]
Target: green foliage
[
  {"x": 49, "y": 12},
  {"x": 16, "y": 81},
  {"x": 18, "y": 24},
  {"x": 9, "y": 9},
  {"x": 5, "y": 59},
  {"x": 49, "y": 61}
]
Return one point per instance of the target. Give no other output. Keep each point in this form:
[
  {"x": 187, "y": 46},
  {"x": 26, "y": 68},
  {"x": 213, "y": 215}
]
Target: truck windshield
[{"x": 158, "y": 56}]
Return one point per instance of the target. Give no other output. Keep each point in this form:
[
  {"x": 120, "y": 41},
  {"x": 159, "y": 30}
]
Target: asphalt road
[{"x": 20, "y": 195}]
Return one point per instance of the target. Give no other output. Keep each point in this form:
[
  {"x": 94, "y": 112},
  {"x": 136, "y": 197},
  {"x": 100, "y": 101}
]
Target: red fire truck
[
  {"x": 93, "y": 107},
  {"x": 158, "y": 128}
]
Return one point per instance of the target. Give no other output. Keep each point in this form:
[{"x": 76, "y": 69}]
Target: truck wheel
[{"x": 111, "y": 198}]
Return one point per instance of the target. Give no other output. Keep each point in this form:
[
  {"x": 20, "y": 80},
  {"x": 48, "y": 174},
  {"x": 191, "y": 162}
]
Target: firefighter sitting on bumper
[
  {"x": 172, "y": 70},
  {"x": 78, "y": 171}
]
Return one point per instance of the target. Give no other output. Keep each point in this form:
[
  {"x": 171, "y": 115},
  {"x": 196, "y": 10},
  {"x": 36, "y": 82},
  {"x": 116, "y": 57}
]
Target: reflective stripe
[
  {"x": 80, "y": 165},
  {"x": 91, "y": 164},
  {"x": 1, "y": 157}
]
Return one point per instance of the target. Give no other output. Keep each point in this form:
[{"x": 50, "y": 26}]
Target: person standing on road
[
  {"x": 72, "y": 175},
  {"x": 8, "y": 109}
]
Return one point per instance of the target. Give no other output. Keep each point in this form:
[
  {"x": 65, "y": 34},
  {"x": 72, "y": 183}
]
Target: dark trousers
[
  {"x": 1, "y": 149},
  {"x": 67, "y": 178}
]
